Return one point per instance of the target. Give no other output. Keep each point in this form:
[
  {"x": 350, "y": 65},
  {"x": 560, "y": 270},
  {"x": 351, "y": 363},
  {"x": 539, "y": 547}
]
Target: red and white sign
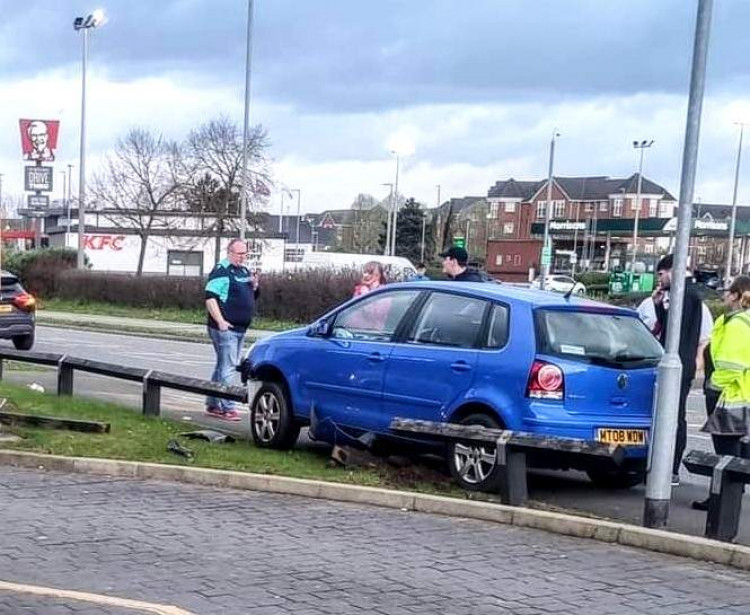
[
  {"x": 103, "y": 242},
  {"x": 39, "y": 139}
]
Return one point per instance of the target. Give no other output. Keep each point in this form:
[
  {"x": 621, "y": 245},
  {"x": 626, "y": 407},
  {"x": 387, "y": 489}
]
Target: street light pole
[
  {"x": 546, "y": 247},
  {"x": 640, "y": 145},
  {"x": 84, "y": 24},
  {"x": 299, "y": 213},
  {"x": 64, "y": 189},
  {"x": 661, "y": 450},
  {"x": 246, "y": 129},
  {"x": 733, "y": 223},
  {"x": 70, "y": 195},
  {"x": 394, "y": 213},
  {"x": 387, "y": 246}
]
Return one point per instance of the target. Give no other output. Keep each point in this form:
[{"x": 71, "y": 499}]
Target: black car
[{"x": 17, "y": 312}]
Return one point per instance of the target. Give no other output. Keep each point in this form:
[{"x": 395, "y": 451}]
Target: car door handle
[
  {"x": 460, "y": 366},
  {"x": 376, "y": 357}
]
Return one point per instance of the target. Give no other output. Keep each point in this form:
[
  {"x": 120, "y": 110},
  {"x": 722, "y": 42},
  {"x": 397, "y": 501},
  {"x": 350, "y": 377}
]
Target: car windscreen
[{"x": 607, "y": 338}]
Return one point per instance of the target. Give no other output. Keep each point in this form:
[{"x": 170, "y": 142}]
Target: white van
[{"x": 396, "y": 267}]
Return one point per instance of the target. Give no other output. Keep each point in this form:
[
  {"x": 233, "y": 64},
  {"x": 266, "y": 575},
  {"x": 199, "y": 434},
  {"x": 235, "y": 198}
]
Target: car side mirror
[{"x": 321, "y": 328}]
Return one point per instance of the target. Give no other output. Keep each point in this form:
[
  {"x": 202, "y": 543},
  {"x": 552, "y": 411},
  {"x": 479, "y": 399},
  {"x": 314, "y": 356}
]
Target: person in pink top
[{"x": 373, "y": 276}]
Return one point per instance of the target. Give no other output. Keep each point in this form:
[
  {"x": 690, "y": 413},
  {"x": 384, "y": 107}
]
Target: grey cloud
[{"x": 334, "y": 56}]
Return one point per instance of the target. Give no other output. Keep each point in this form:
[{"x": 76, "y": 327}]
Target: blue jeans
[{"x": 228, "y": 348}]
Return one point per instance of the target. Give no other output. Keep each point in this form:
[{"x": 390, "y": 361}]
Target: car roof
[{"x": 531, "y": 296}]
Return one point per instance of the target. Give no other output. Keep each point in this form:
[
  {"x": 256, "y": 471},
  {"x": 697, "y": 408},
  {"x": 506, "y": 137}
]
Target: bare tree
[
  {"x": 215, "y": 152},
  {"x": 140, "y": 181}
]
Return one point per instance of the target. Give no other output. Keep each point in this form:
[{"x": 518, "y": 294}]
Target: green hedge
[
  {"x": 40, "y": 270},
  {"x": 592, "y": 278},
  {"x": 299, "y": 297}
]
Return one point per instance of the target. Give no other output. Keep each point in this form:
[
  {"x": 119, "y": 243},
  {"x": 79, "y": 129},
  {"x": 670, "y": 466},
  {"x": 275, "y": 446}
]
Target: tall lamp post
[
  {"x": 733, "y": 222},
  {"x": 84, "y": 24},
  {"x": 394, "y": 212},
  {"x": 642, "y": 146},
  {"x": 546, "y": 247},
  {"x": 669, "y": 375},
  {"x": 246, "y": 126},
  {"x": 69, "y": 198},
  {"x": 299, "y": 213},
  {"x": 387, "y": 246}
]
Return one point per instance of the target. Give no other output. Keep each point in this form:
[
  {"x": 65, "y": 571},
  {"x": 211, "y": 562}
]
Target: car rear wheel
[
  {"x": 473, "y": 465},
  {"x": 23, "y": 342},
  {"x": 271, "y": 420},
  {"x": 616, "y": 479}
]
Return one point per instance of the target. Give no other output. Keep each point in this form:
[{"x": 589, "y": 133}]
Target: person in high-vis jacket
[{"x": 728, "y": 373}]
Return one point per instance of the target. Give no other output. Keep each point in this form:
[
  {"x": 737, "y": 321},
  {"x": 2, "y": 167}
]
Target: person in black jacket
[
  {"x": 694, "y": 334},
  {"x": 455, "y": 266}
]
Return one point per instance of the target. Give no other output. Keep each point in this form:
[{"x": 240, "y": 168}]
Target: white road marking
[{"x": 137, "y": 605}]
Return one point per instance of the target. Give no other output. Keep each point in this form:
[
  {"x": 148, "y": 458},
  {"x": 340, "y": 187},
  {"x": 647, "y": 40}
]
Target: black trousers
[
  {"x": 681, "y": 441},
  {"x": 724, "y": 445}
]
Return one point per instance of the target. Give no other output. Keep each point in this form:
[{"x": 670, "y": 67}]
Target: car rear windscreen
[
  {"x": 597, "y": 337},
  {"x": 10, "y": 284}
]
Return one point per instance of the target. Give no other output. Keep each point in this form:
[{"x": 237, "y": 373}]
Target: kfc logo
[
  {"x": 100, "y": 242},
  {"x": 39, "y": 139}
]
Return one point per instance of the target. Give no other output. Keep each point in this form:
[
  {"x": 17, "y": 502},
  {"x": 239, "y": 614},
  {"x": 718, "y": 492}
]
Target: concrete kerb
[{"x": 702, "y": 549}]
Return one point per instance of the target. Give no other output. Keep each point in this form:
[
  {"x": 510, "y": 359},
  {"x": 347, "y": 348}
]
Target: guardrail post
[
  {"x": 2, "y": 363},
  {"x": 64, "y": 377},
  {"x": 724, "y": 504},
  {"x": 151, "y": 396},
  {"x": 512, "y": 468}
]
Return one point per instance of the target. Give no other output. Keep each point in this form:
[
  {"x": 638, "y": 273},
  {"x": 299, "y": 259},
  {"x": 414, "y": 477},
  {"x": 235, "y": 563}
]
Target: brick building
[{"x": 592, "y": 220}]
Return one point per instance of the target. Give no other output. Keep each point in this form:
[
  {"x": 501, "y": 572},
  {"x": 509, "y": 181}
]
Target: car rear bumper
[
  {"x": 588, "y": 430},
  {"x": 16, "y": 327}
]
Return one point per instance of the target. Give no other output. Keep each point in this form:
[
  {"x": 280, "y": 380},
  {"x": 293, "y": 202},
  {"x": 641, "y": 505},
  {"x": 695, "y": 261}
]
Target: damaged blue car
[{"x": 468, "y": 353}]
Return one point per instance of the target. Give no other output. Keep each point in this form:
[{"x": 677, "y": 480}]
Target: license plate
[
  {"x": 5, "y": 308},
  {"x": 623, "y": 437}
]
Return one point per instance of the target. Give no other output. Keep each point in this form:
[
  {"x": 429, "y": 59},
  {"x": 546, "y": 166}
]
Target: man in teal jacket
[{"x": 230, "y": 295}]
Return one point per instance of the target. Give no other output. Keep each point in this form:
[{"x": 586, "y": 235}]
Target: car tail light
[
  {"x": 24, "y": 301},
  {"x": 546, "y": 381}
]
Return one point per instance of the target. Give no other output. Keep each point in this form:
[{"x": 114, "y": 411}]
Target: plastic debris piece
[
  {"x": 211, "y": 435},
  {"x": 173, "y": 446}
]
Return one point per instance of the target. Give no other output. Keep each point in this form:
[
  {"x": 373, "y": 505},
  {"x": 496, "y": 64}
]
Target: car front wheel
[
  {"x": 23, "y": 342},
  {"x": 271, "y": 419},
  {"x": 473, "y": 465}
]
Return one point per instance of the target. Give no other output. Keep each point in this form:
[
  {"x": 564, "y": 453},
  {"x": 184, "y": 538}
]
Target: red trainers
[{"x": 229, "y": 415}]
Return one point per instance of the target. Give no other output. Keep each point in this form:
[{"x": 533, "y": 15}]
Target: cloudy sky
[{"x": 477, "y": 87}]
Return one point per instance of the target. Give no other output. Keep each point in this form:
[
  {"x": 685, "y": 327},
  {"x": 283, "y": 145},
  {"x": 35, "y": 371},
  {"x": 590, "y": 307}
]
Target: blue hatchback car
[{"x": 469, "y": 353}]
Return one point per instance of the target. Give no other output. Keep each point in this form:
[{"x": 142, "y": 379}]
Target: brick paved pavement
[{"x": 214, "y": 551}]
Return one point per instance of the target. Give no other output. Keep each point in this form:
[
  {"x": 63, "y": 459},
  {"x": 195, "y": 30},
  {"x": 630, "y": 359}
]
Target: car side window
[
  {"x": 373, "y": 318},
  {"x": 448, "y": 320},
  {"x": 497, "y": 334}
]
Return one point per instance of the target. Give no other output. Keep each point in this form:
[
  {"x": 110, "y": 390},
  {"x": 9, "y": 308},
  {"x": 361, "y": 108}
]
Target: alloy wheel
[
  {"x": 267, "y": 416},
  {"x": 474, "y": 464}
]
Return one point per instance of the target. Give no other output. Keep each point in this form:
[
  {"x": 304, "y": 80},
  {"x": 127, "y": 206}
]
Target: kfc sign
[
  {"x": 39, "y": 139},
  {"x": 103, "y": 242}
]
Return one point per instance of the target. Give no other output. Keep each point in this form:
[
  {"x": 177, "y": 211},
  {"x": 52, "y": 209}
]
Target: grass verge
[
  {"x": 196, "y": 317},
  {"x": 136, "y": 438}
]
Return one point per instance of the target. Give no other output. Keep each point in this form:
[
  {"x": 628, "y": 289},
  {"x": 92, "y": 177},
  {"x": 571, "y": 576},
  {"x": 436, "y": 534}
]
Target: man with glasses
[{"x": 231, "y": 292}]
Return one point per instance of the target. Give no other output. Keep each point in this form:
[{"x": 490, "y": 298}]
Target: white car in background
[{"x": 560, "y": 284}]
